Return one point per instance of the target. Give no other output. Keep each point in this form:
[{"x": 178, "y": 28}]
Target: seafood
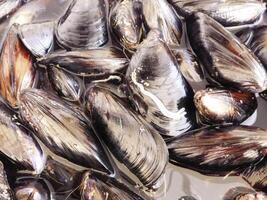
[
  {"x": 219, "y": 150},
  {"x": 126, "y": 24},
  {"x": 8, "y": 7},
  {"x": 226, "y": 12},
  {"x": 227, "y": 61},
  {"x": 93, "y": 63},
  {"x": 159, "y": 14},
  {"x": 158, "y": 89},
  {"x": 242, "y": 193},
  {"x": 216, "y": 106},
  {"x": 16, "y": 68},
  {"x": 68, "y": 86},
  {"x": 83, "y": 25},
  {"x": 187, "y": 198},
  {"x": 110, "y": 118},
  {"x": 38, "y": 37},
  {"x": 18, "y": 144},
  {"x": 5, "y": 190},
  {"x": 64, "y": 129}
]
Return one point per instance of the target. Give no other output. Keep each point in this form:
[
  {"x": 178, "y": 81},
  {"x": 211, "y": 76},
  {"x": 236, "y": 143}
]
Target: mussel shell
[
  {"x": 5, "y": 190},
  {"x": 16, "y": 68},
  {"x": 38, "y": 37},
  {"x": 219, "y": 150},
  {"x": 226, "y": 12},
  {"x": 159, "y": 14},
  {"x": 217, "y": 106},
  {"x": 126, "y": 25},
  {"x": 158, "y": 89},
  {"x": 142, "y": 151},
  {"x": 242, "y": 193},
  {"x": 83, "y": 25},
  {"x": 32, "y": 189},
  {"x": 18, "y": 144},
  {"x": 64, "y": 129},
  {"x": 67, "y": 85},
  {"x": 227, "y": 61},
  {"x": 92, "y": 64},
  {"x": 8, "y": 7}
]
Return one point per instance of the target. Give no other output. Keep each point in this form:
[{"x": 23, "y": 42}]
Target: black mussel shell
[
  {"x": 97, "y": 186},
  {"x": 16, "y": 68},
  {"x": 242, "y": 193},
  {"x": 18, "y": 144},
  {"x": 7, "y": 7},
  {"x": 217, "y": 106},
  {"x": 5, "y": 191},
  {"x": 92, "y": 64},
  {"x": 227, "y": 12},
  {"x": 38, "y": 37},
  {"x": 158, "y": 89},
  {"x": 126, "y": 24},
  {"x": 159, "y": 14},
  {"x": 67, "y": 85},
  {"x": 219, "y": 150},
  {"x": 30, "y": 188},
  {"x": 64, "y": 129},
  {"x": 227, "y": 61},
  {"x": 143, "y": 151},
  {"x": 83, "y": 25}
]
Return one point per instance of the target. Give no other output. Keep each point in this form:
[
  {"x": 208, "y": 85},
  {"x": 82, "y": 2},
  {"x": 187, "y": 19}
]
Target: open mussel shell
[
  {"x": 67, "y": 85},
  {"x": 83, "y": 25},
  {"x": 217, "y": 106},
  {"x": 159, "y": 14},
  {"x": 227, "y": 61},
  {"x": 5, "y": 191},
  {"x": 16, "y": 68},
  {"x": 242, "y": 193},
  {"x": 31, "y": 188},
  {"x": 126, "y": 24},
  {"x": 18, "y": 144},
  {"x": 64, "y": 129},
  {"x": 91, "y": 64},
  {"x": 38, "y": 37},
  {"x": 219, "y": 150},
  {"x": 158, "y": 89},
  {"x": 226, "y": 12},
  {"x": 8, "y": 7},
  {"x": 143, "y": 151}
]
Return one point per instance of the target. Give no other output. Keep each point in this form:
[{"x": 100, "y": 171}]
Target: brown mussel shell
[
  {"x": 158, "y": 89},
  {"x": 242, "y": 193},
  {"x": 227, "y": 61},
  {"x": 217, "y": 106},
  {"x": 5, "y": 191},
  {"x": 219, "y": 150},
  {"x": 110, "y": 118},
  {"x": 64, "y": 129}
]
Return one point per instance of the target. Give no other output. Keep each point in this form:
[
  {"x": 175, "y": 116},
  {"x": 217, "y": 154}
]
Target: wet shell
[
  {"x": 91, "y": 63},
  {"x": 216, "y": 106},
  {"x": 16, "y": 68},
  {"x": 38, "y": 37},
  {"x": 159, "y": 14},
  {"x": 227, "y": 12},
  {"x": 158, "y": 89},
  {"x": 83, "y": 25},
  {"x": 126, "y": 23},
  {"x": 219, "y": 150},
  {"x": 227, "y": 61},
  {"x": 64, "y": 129},
  {"x": 68, "y": 86},
  {"x": 5, "y": 190},
  {"x": 110, "y": 118},
  {"x": 242, "y": 193},
  {"x": 8, "y": 7}
]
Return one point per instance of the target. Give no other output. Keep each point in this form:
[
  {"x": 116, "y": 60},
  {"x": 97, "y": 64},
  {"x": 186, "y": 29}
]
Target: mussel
[
  {"x": 126, "y": 24},
  {"x": 217, "y": 106},
  {"x": 5, "y": 191},
  {"x": 158, "y": 89},
  {"x": 159, "y": 14},
  {"x": 64, "y": 129},
  {"x": 16, "y": 68},
  {"x": 228, "y": 62},
  {"x": 83, "y": 25},
  {"x": 18, "y": 144},
  {"x": 8, "y": 7},
  {"x": 38, "y": 37},
  {"x": 242, "y": 193},
  {"x": 227, "y": 12},
  {"x": 129, "y": 139},
  {"x": 219, "y": 150}
]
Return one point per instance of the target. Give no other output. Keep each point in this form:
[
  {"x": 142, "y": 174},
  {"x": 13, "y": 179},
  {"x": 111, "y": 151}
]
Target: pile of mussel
[{"x": 94, "y": 104}]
